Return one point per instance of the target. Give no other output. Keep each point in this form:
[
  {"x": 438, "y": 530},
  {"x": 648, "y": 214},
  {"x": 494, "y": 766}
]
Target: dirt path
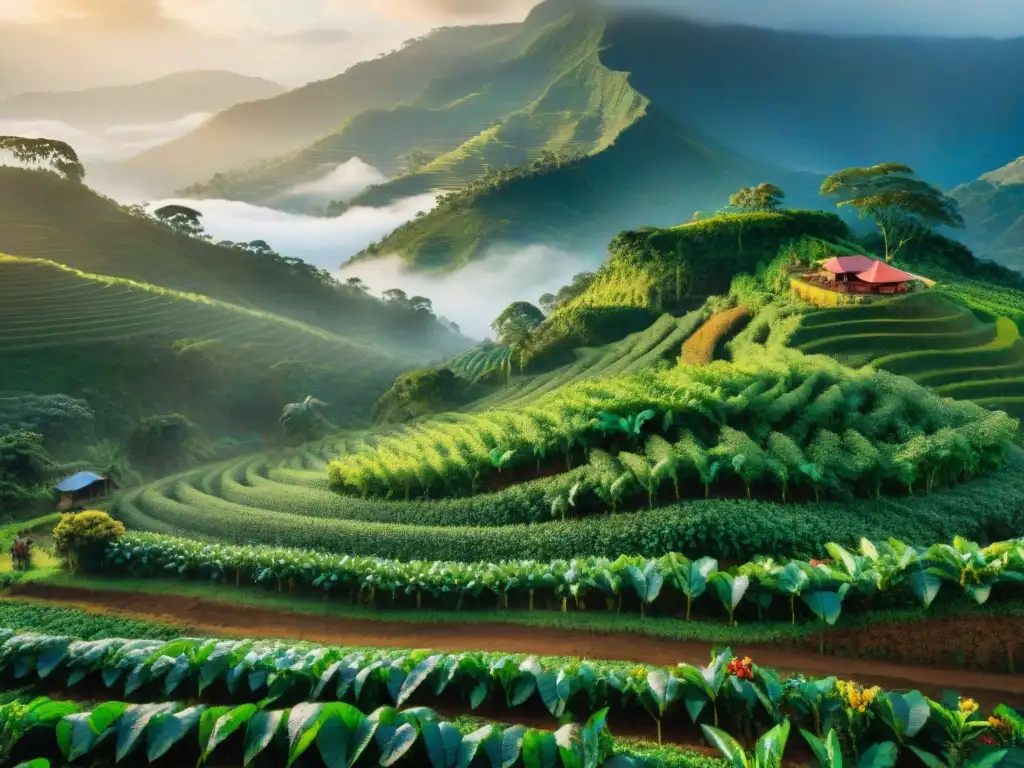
[{"x": 228, "y": 620}]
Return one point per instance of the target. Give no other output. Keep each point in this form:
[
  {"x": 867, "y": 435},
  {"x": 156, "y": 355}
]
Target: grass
[{"x": 701, "y": 348}]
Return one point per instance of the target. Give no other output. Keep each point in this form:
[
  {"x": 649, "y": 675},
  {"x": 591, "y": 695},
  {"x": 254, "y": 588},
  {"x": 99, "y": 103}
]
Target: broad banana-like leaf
[
  {"x": 882, "y": 755},
  {"x": 825, "y": 604},
  {"x": 259, "y": 731},
  {"x": 132, "y": 724},
  {"x": 471, "y": 745},
  {"x": 904, "y": 713},
  {"x": 540, "y": 750},
  {"x": 399, "y": 742},
  {"x": 924, "y": 584},
  {"x": 344, "y": 733},
  {"x": 166, "y": 730},
  {"x": 442, "y": 741},
  {"x": 418, "y": 675},
  {"x": 504, "y": 747},
  {"x": 769, "y": 748},
  {"x": 731, "y": 749},
  {"x": 225, "y": 725}
]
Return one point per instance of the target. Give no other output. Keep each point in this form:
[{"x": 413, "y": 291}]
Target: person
[{"x": 21, "y": 551}]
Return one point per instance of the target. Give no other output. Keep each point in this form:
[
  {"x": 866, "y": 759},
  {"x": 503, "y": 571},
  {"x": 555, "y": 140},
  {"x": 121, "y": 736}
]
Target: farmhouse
[
  {"x": 860, "y": 275},
  {"x": 80, "y": 487}
]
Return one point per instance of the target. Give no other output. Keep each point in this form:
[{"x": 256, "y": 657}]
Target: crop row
[
  {"x": 780, "y": 419},
  {"x": 342, "y": 734},
  {"x": 879, "y": 574},
  {"x": 729, "y": 690},
  {"x": 493, "y": 527}
]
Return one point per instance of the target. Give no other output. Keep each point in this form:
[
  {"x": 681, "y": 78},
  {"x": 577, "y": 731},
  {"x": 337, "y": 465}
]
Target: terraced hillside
[
  {"x": 62, "y": 330},
  {"x": 44, "y": 217},
  {"x": 932, "y": 339}
]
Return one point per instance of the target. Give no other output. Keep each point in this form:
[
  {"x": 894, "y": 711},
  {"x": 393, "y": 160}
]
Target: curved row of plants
[
  {"x": 730, "y": 691},
  {"x": 878, "y": 575},
  {"x": 777, "y": 419},
  {"x": 176, "y": 733}
]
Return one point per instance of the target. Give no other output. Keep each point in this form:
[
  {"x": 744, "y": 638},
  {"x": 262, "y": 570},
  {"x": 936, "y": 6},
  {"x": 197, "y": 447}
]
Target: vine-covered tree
[
  {"x": 902, "y": 206},
  {"x": 762, "y": 198},
  {"x": 58, "y": 155}
]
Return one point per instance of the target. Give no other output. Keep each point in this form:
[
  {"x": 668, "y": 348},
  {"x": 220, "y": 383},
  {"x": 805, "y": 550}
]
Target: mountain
[
  {"x": 274, "y": 126},
  {"x": 822, "y": 102},
  {"x": 161, "y": 100},
  {"x": 993, "y": 211},
  {"x": 654, "y": 174}
]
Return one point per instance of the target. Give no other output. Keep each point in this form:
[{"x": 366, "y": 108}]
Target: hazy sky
[{"x": 56, "y": 44}]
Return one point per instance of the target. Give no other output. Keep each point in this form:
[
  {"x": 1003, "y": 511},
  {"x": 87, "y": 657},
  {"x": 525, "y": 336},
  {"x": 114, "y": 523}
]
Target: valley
[{"x": 598, "y": 388}]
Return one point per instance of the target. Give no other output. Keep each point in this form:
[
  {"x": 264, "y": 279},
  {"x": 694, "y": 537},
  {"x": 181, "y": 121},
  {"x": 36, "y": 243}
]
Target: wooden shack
[{"x": 81, "y": 487}]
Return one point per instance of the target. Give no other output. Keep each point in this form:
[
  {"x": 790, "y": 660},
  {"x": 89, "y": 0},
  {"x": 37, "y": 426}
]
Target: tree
[
  {"x": 357, "y": 284},
  {"x": 547, "y": 302},
  {"x": 61, "y": 156},
  {"x": 902, "y": 206},
  {"x": 81, "y": 540},
  {"x": 421, "y": 304},
  {"x": 24, "y": 466},
  {"x": 182, "y": 219},
  {"x": 396, "y": 296},
  {"x": 60, "y": 419},
  {"x": 305, "y": 421},
  {"x": 762, "y": 198},
  {"x": 415, "y": 159},
  {"x": 515, "y": 318}
]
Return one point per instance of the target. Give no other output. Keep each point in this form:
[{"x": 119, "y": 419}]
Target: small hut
[
  {"x": 80, "y": 487},
  {"x": 884, "y": 278},
  {"x": 843, "y": 268}
]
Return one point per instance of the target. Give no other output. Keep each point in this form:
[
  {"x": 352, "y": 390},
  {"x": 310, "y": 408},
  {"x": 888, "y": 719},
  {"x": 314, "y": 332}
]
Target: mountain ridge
[{"x": 158, "y": 100}]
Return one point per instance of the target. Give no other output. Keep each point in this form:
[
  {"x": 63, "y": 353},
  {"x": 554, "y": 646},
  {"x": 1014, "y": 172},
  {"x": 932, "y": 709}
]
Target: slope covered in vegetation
[{"x": 43, "y": 217}]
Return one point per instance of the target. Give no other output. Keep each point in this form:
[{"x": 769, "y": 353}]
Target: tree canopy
[
  {"x": 24, "y": 466},
  {"x": 181, "y": 218},
  {"x": 763, "y": 197},
  {"x": 305, "y": 421},
  {"x": 517, "y": 318},
  {"x": 59, "y": 155},
  {"x": 902, "y": 206}
]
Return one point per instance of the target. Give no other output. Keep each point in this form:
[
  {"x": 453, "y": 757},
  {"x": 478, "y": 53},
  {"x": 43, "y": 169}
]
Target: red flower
[
  {"x": 741, "y": 668},
  {"x": 815, "y": 562},
  {"x": 986, "y": 739}
]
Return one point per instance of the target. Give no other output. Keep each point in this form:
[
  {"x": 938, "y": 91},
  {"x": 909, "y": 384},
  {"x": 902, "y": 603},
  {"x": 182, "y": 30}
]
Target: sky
[{"x": 55, "y": 44}]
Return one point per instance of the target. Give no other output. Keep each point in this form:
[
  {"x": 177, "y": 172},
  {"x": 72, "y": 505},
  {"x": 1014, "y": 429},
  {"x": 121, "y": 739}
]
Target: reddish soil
[{"x": 229, "y": 620}]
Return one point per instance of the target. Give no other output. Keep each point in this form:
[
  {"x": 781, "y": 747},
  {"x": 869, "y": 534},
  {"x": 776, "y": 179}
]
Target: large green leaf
[
  {"x": 303, "y": 725},
  {"x": 769, "y": 748},
  {"x": 504, "y": 747},
  {"x": 55, "y": 652},
  {"x": 547, "y": 684},
  {"x": 345, "y": 733},
  {"x": 825, "y": 604},
  {"x": 924, "y": 584},
  {"x": 132, "y": 724},
  {"x": 731, "y": 749},
  {"x": 74, "y": 736},
  {"x": 471, "y": 745},
  {"x": 569, "y": 739},
  {"x": 258, "y": 733},
  {"x": 401, "y": 741},
  {"x": 540, "y": 750},
  {"x": 882, "y": 755},
  {"x": 179, "y": 672},
  {"x": 415, "y": 678},
  {"x": 225, "y": 725},
  {"x": 166, "y": 730},
  {"x": 442, "y": 741}
]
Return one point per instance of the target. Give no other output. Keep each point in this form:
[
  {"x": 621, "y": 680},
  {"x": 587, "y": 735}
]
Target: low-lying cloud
[
  {"x": 343, "y": 183},
  {"x": 117, "y": 142},
  {"x": 477, "y": 293},
  {"x": 471, "y": 297},
  {"x": 325, "y": 242}
]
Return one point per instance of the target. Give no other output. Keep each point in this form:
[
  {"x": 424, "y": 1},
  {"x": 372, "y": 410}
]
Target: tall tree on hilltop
[
  {"x": 762, "y": 198},
  {"x": 903, "y": 207},
  {"x": 59, "y": 155},
  {"x": 515, "y": 328},
  {"x": 181, "y": 218}
]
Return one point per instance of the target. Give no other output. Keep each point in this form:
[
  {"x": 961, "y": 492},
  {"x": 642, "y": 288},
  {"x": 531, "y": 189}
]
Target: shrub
[{"x": 81, "y": 539}]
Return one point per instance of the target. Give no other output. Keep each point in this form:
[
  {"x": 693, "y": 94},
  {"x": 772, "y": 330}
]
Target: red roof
[
  {"x": 842, "y": 264},
  {"x": 881, "y": 272}
]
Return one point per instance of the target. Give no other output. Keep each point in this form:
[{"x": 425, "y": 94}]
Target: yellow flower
[{"x": 968, "y": 706}]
